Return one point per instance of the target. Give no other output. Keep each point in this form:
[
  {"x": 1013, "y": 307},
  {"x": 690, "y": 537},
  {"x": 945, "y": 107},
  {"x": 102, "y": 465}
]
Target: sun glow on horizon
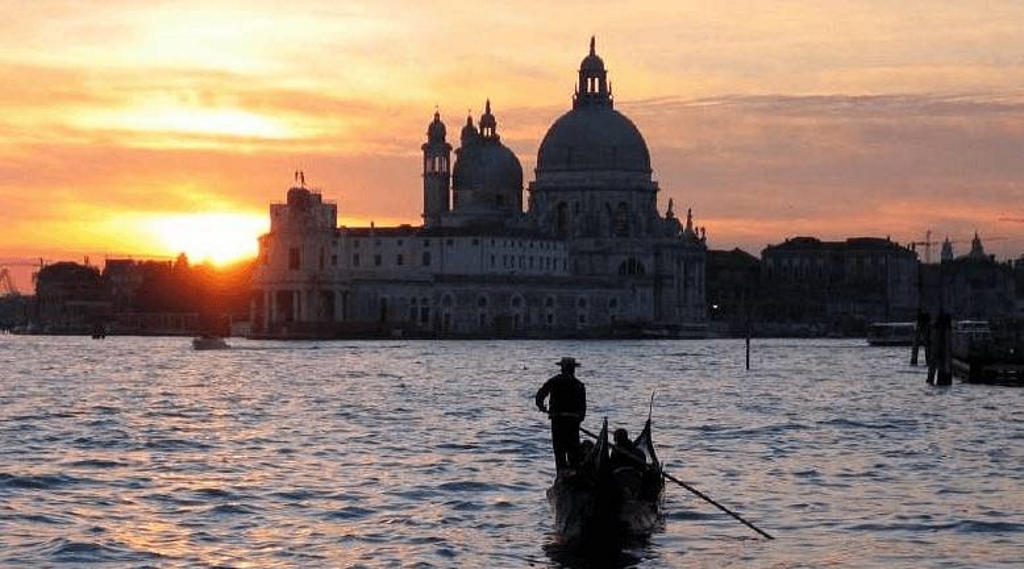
[
  {"x": 174, "y": 119},
  {"x": 219, "y": 238}
]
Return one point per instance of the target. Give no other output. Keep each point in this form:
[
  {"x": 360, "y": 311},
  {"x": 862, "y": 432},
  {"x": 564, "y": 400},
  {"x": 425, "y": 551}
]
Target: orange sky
[{"x": 147, "y": 128}]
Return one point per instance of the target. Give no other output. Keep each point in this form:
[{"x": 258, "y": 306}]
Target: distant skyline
[{"x": 151, "y": 128}]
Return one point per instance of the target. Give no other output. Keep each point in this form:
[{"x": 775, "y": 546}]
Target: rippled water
[{"x": 139, "y": 452}]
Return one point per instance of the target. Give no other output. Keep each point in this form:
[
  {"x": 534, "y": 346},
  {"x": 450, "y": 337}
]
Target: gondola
[{"x": 609, "y": 496}]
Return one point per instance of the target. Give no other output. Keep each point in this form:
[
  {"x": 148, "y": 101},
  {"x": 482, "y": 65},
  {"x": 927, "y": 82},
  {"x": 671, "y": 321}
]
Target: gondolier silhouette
[{"x": 567, "y": 407}]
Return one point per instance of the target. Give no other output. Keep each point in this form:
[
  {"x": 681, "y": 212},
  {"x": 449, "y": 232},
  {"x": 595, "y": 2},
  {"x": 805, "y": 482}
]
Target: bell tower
[{"x": 436, "y": 172}]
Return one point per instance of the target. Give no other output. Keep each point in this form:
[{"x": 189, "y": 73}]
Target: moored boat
[
  {"x": 209, "y": 343},
  {"x": 613, "y": 493},
  {"x": 891, "y": 333}
]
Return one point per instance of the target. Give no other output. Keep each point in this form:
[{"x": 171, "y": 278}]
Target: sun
[{"x": 218, "y": 238}]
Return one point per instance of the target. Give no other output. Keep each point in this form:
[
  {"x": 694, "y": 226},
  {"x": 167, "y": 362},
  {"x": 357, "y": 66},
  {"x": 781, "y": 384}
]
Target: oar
[{"x": 699, "y": 494}]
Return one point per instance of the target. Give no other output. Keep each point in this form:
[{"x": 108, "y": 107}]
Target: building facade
[
  {"x": 590, "y": 255},
  {"x": 973, "y": 286},
  {"x": 813, "y": 287}
]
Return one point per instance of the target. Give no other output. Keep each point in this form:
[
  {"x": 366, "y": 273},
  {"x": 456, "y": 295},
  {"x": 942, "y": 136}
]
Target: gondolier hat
[{"x": 565, "y": 362}]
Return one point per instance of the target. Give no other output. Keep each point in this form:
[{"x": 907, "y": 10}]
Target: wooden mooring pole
[{"x": 748, "y": 344}]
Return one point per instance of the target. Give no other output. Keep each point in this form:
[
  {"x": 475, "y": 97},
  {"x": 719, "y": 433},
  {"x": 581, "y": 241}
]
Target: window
[
  {"x": 399, "y": 260},
  {"x": 293, "y": 258},
  {"x": 426, "y": 258},
  {"x": 376, "y": 260},
  {"x": 562, "y": 219},
  {"x": 631, "y": 267},
  {"x": 622, "y": 220},
  {"x": 355, "y": 260},
  {"x": 334, "y": 260}
]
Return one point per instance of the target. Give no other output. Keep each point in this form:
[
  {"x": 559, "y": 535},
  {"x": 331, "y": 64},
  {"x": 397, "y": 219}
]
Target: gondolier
[{"x": 567, "y": 407}]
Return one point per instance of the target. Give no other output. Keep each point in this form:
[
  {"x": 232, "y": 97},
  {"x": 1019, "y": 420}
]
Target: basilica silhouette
[{"x": 589, "y": 256}]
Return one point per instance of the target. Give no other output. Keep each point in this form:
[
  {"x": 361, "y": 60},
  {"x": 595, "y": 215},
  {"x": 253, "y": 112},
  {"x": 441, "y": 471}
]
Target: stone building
[
  {"x": 970, "y": 287},
  {"x": 590, "y": 255},
  {"x": 733, "y": 291},
  {"x": 836, "y": 287},
  {"x": 70, "y": 299}
]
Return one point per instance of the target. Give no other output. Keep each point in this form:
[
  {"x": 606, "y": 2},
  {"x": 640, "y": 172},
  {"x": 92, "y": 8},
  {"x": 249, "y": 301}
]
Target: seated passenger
[{"x": 624, "y": 452}]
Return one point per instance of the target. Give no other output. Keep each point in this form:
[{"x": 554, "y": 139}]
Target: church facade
[{"x": 589, "y": 255}]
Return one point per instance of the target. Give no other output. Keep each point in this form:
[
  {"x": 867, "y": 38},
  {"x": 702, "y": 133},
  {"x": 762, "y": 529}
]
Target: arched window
[
  {"x": 622, "y": 220},
  {"x": 562, "y": 219},
  {"x": 631, "y": 267}
]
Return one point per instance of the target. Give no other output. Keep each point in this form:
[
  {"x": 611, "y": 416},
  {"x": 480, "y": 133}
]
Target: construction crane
[
  {"x": 7, "y": 287},
  {"x": 927, "y": 243}
]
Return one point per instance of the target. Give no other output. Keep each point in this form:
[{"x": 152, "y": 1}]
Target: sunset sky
[{"x": 150, "y": 128}]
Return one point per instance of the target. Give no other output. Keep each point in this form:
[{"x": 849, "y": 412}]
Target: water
[{"x": 140, "y": 452}]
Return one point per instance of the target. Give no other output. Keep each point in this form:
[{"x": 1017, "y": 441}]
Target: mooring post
[
  {"x": 920, "y": 333},
  {"x": 748, "y": 343},
  {"x": 931, "y": 353},
  {"x": 945, "y": 355}
]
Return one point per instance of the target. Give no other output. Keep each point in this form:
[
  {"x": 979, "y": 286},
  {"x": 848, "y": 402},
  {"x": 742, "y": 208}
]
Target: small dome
[
  {"x": 594, "y": 137},
  {"x": 487, "y": 169},
  {"x": 469, "y": 133}
]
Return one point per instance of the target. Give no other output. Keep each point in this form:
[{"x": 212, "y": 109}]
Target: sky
[{"x": 145, "y": 129}]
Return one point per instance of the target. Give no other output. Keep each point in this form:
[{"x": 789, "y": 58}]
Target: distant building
[
  {"x": 151, "y": 297},
  {"x": 836, "y": 287},
  {"x": 1018, "y": 278},
  {"x": 70, "y": 299},
  {"x": 971, "y": 287},
  {"x": 733, "y": 291},
  {"x": 589, "y": 256}
]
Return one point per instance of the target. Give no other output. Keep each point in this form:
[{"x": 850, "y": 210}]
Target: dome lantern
[
  {"x": 488, "y": 124},
  {"x": 593, "y": 87}
]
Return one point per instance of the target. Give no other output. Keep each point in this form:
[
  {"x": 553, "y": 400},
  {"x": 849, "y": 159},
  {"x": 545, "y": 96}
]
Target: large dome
[{"x": 593, "y": 137}]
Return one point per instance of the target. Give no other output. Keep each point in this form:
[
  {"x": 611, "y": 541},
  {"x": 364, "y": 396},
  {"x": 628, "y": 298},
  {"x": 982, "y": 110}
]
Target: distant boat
[
  {"x": 209, "y": 343},
  {"x": 891, "y": 333},
  {"x": 973, "y": 329}
]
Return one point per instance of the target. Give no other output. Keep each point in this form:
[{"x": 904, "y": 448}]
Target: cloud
[{"x": 840, "y": 165}]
